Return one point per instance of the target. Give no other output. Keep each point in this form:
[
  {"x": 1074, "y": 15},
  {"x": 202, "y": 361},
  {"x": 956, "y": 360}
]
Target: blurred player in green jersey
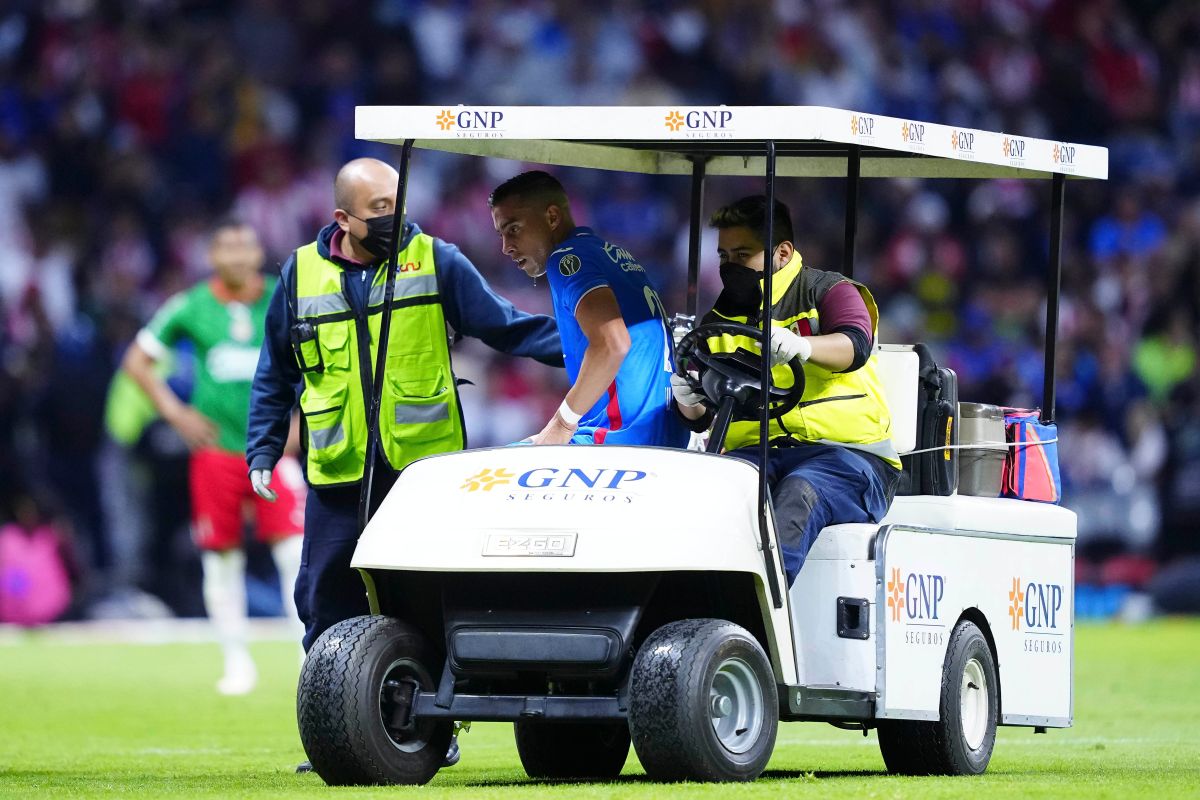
[{"x": 223, "y": 320}]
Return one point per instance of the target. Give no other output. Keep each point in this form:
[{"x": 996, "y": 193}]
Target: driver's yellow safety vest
[
  {"x": 419, "y": 413},
  {"x": 846, "y": 408}
]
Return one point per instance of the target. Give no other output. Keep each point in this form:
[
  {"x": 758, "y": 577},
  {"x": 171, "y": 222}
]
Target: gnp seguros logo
[
  {"x": 862, "y": 126},
  {"x": 1036, "y": 610},
  {"x": 913, "y": 599},
  {"x": 468, "y": 124},
  {"x": 701, "y": 124},
  {"x": 912, "y": 133},
  {"x": 1014, "y": 148},
  {"x": 1064, "y": 154},
  {"x": 962, "y": 143},
  {"x": 562, "y": 484}
]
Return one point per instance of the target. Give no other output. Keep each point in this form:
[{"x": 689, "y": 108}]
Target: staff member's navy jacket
[
  {"x": 327, "y": 589},
  {"x": 469, "y": 304}
]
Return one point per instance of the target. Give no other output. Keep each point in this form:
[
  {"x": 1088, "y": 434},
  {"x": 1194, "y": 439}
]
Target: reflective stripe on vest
[
  {"x": 847, "y": 408},
  {"x": 419, "y": 412}
]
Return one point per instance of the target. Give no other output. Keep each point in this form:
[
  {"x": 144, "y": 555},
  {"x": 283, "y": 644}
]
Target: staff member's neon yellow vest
[
  {"x": 419, "y": 414},
  {"x": 847, "y": 408}
]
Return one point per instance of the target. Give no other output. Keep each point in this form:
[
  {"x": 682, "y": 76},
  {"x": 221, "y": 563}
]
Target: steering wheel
[{"x": 736, "y": 375}]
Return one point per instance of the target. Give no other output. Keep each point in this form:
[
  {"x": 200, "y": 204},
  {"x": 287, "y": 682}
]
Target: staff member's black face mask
[
  {"x": 742, "y": 292},
  {"x": 379, "y": 234}
]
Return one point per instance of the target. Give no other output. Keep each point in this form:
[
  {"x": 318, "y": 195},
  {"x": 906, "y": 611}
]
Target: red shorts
[{"x": 221, "y": 495}]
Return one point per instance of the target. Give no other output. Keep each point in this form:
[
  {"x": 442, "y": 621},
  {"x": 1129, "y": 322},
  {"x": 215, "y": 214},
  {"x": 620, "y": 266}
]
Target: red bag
[{"x": 1031, "y": 463}]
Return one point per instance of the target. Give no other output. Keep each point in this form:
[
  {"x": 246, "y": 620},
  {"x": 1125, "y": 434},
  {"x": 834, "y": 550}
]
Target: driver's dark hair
[
  {"x": 535, "y": 186},
  {"x": 751, "y": 212}
]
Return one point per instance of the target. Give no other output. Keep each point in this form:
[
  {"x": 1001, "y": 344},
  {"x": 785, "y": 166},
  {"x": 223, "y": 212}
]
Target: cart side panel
[{"x": 1024, "y": 589}]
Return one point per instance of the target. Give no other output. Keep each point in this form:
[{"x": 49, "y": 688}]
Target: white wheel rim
[
  {"x": 973, "y": 704},
  {"x": 736, "y": 705}
]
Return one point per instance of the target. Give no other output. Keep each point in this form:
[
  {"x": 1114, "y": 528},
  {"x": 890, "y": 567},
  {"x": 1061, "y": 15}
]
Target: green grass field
[{"x": 143, "y": 720}]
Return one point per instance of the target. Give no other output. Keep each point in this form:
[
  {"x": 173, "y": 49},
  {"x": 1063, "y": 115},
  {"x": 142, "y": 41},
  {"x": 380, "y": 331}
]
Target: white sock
[
  {"x": 225, "y": 601},
  {"x": 286, "y": 553}
]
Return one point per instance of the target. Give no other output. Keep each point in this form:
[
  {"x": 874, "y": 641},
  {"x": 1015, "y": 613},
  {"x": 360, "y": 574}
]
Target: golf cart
[{"x": 554, "y": 587}]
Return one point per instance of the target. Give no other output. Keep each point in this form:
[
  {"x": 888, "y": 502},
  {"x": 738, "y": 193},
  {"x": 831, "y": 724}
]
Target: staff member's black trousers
[{"x": 328, "y": 590}]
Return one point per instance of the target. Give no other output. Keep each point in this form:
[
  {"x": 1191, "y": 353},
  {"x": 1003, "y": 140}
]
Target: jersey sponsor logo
[
  {"x": 569, "y": 265},
  {"x": 914, "y": 600},
  {"x": 232, "y": 363},
  {"x": 468, "y": 124}
]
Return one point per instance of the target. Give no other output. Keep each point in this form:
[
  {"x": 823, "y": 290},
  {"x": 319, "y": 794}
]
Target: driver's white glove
[
  {"x": 260, "y": 479},
  {"x": 786, "y": 345},
  {"x": 684, "y": 394}
]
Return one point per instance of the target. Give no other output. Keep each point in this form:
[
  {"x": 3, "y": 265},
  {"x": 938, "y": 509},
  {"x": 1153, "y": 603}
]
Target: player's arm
[
  {"x": 600, "y": 318},
  {"x": 195, "y": 428}
]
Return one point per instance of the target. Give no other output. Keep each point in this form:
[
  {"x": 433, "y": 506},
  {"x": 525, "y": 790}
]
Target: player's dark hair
[
  {"x": 534, "y": 186},
  {"x": 751, "y": 212},
  {"x": 225, "y": 223}
]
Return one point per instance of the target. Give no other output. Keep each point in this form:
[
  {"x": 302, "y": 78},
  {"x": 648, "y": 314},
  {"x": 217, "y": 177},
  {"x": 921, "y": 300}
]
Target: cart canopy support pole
[
  {"x": 1058, "y": 187},
  {"x": 853, "y": 172},
  {"x": 764, "y": 430},
  {"x": 697, "y": 209},
  {"x": 385, "y": 326}
]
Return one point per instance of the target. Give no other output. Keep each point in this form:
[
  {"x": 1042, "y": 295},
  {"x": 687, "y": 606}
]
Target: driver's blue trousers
[{"x": 815, "y": 485}]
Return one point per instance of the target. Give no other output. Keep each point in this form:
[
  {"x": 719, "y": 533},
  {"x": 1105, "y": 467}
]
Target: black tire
[
  {"x": 942, "y": 748},
  {"x": 342, "y": 701},
  {"x": 572, "y": 750},
  {"x": 671, "y": 712}
]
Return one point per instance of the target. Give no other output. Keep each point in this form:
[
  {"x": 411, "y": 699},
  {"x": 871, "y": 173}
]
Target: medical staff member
[
  {"x": 222, "y": 319},
  {"x": 832, "y": 459},
  {"x": 322, "y": 332},
  {"x": 616, "y": 340}
]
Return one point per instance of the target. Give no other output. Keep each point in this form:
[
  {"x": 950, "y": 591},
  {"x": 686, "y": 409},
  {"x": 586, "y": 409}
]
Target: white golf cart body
[{"x": 862, "y": 634}]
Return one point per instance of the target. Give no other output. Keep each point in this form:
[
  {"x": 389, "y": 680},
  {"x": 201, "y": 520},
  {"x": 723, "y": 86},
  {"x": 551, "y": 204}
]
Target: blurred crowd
[{"x": 128, "y": 126}]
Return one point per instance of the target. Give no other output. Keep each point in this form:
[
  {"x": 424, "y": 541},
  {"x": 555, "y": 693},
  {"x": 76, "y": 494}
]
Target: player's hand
[
  {"x": 197, "y": 430},
  {"x": 557, "y": 431},
  {"x": 685, "y": 394},
  {"x": 786, "y": 345},
  {"x": 260, "y": 479}
]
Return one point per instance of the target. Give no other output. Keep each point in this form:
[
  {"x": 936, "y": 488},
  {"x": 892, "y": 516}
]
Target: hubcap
[
  {"x": 736, "y": 705},
  {"x": 973, "y": 704},
  {"x": 397, "y": 694}
]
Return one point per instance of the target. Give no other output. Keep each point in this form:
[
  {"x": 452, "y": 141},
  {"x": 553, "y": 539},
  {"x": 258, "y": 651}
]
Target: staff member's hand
[
  {"x": 786, "y": 345},
  {"x": 260, "y": 479}
]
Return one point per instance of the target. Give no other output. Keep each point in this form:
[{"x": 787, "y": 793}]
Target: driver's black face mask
[{"x": 742, "y": 295}]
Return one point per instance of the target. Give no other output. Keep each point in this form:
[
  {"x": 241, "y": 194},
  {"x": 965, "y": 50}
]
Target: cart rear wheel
[
  {"x": 703, "y": 703},
  {"x": 961, "y": 741}
]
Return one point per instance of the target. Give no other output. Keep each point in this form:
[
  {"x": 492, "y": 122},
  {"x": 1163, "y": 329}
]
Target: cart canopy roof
[{"x": 811, "y": 141}]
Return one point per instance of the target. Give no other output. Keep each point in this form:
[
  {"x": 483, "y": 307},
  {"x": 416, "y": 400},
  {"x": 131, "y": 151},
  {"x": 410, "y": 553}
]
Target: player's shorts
[{"x": 222, "y": 496}]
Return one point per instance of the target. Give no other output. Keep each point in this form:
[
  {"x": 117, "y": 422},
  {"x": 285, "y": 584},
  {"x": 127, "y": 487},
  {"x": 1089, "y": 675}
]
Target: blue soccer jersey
[{"x": 637, "y": 408}]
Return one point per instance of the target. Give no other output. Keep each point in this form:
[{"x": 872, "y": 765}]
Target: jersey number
[{"x": 657, "y": 308}]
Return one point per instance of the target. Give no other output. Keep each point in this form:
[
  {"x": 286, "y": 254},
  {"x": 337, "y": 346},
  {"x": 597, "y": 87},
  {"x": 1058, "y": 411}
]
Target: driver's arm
[{"x": 833, "y": 351}]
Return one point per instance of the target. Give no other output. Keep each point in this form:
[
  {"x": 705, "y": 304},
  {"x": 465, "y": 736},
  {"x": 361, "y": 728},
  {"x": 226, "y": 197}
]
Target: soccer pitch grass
[{"x": 143, "y": 720}]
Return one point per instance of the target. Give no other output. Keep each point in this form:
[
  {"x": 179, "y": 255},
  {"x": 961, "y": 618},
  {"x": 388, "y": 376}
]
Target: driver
[{"x": 832, "y": 460}]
